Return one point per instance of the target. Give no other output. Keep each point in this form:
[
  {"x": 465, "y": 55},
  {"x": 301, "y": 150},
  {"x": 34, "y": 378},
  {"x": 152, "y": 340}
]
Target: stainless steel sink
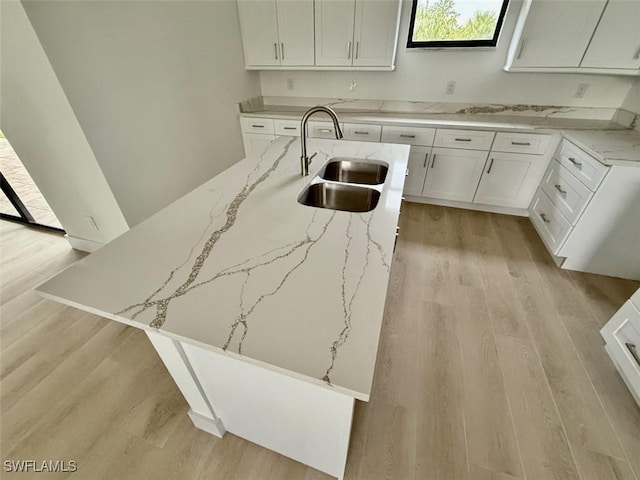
[
  {"x": 348, "y": 198},
  {"x": 353, "y": 170}
]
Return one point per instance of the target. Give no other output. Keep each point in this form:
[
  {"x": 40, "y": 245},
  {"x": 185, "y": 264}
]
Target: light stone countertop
[
  {"x": 239, "y": 266},
  {"x": 609, "y": 142}
]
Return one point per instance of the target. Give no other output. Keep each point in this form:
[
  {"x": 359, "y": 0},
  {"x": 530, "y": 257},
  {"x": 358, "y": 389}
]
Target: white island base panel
[{"x": 308, "y": 423}]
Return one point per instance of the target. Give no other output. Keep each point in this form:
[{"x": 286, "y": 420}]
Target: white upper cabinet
[
  {"x": 375, "y": 32},
  {"x": 277, "y": 32},
  {"x": 586, "y": 36},
  {"x": 616, "y": 42},
  {"x": 259, "y": 25},
  {"x": 334, "y": 32},
  {"x": 557, "y": 33},
  {"x": 319, "y": 34}
]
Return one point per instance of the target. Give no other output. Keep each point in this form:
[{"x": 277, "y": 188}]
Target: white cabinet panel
[
  {"x": 259, "y": 25},
  {"x": 556, "y": 33},
  {"x": 509, "y": 179},
  {"x": 289, "y": 128},
  {"x": 256, "y": 143},
  {"x": 622, "y": 337},
  {"x": 616, "y": 42},
  {"x": 586, "y": 168},
  {"x": 550, "y": 223},
  {"x": 453, "y": 174},
  {"x": 256, "y": 125},
  {"x": 533, "y": 143},
  {"x": 334, "y": 32},
  {"x": 472, "y": 139},
  {"x": 566, "y": 191},
  {"x": 375, "y": 32},
  {"x": 417, "y": 170},
  {"x": 361, "y": 132},
  {"x": 409, "y": 135},
  {"x": 295, "y": 31}
]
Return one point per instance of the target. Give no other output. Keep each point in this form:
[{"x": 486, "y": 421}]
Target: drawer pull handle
[
  {"x": 404, "y": 135},
  {"x": 349, "y": 50},
  {"x": 361, "y": 133},
  {"x": 576, "y": 163},
  {"x": 544, "y": 218},
  {"x": 562, "y": 192},
  {"x": 433, "y": 160},
  {"x": 275, "y": 47},
  {"x": 426, "y": 159},
  {"x": 637, "y": 55},
  {"x": 632, "y": 350},
  {"x": 257, "y": 126},
  {"x": 490, "y": 165},
  {"x": 521, "y": 144},
  {"x": 289, "y": 128},
  {"x": 462, "y": 139},
  {"x": 325, "y": 130},
  {"x": 282, "y": 51},
  {"x": 406, "y": 174}
]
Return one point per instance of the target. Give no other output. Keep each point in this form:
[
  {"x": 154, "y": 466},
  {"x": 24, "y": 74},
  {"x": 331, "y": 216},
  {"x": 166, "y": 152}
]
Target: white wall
[
  {"x": 422, "y": 76},
  {"x": 154, "y": 86},
  {"x": 39, "y": 122},
  {"x": 632, "y": 100}
]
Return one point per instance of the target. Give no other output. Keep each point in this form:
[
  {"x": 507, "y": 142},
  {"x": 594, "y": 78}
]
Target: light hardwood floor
[{"x": 490, "y": 367}]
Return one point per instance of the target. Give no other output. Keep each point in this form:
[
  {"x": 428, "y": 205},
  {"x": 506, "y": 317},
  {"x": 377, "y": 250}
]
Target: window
[{"x": 456, "y": 23}]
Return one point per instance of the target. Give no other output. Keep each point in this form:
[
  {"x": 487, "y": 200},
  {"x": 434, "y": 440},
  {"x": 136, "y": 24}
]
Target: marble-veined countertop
[
  {"x": 609, "y": 142},
  {"x": 239, "y": 266}
]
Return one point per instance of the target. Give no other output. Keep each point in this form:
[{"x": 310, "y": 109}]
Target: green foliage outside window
[{"x": 439, "y": 20}]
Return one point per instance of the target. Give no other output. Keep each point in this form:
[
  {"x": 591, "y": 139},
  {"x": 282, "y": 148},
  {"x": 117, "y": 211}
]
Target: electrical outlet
[
  {"x": 581, "y": 90},
  {"x": 290, "y": 85},
  {"x": 451, "y": 87},
  {"x": 352, "y": 85}
]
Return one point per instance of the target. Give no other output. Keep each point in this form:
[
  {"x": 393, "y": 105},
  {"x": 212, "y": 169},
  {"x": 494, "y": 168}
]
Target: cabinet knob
[{"x": 544, "y": 218}]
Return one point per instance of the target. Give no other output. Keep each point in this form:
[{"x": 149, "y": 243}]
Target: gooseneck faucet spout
[{"x": 304, "y": 159}]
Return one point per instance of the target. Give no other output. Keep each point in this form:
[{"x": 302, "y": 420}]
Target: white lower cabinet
[
  {"x": 256, "y": 143},
  {"x": 509, "y": 179},
  {"x": 453, "y": 174},
  {"x": 417, "y": 170},
  {"x": 549, "y": 222},
  {"x": 622, "y": 337}
]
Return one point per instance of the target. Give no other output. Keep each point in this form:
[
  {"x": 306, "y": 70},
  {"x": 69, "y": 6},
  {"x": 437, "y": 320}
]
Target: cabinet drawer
[
  {"x": 553, "y": 227},
  {"x": 321, "y": 130},
  {"x": 409, "y": 135},
  {"x": 467, "y": 139},
  {"x": 622, "y": 336},
  {"x": 565, "y": 191},
  {"x": 536, "y": 144},
  {"x": 585, "y": 168},
  {"x": 362, "y": 133},
  {"x": 289, "y": 128},
  {"x": 257, "y": 125}
]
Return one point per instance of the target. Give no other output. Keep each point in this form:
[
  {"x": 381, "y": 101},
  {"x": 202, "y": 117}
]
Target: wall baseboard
[
  {"x": 83, "y": 244},
  {"x": 520, "y": 212}
]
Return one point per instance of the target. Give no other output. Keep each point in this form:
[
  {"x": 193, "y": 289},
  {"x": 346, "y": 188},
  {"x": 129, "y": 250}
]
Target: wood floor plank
[
  {"x": 545, "y": 449},
  {"x": 441, "y": 443}
]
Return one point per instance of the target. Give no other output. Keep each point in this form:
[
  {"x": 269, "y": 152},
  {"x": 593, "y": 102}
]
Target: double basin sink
[{"x": 342, "y": 188}]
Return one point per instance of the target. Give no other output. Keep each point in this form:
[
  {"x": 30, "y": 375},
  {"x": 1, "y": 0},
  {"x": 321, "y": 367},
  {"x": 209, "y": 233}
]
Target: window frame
[{"x": 493, "y": 42}]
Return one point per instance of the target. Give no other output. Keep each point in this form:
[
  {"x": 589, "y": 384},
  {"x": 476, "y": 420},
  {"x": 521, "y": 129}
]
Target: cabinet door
[
  {"x": 417, "y": 170},
  {"x": 334, "y": 32},
  {"x": 256, "y": 143},
  {"x": 453, "y": 174},
  {"x": 375, "y": 33},
  {"x": 295, "y": 31},
  {"x": 259, "y": 25},
  {"x": 556, "y": 34},
  {"x": 509, "y": 179},
  {"x": 616, "y": 42}
]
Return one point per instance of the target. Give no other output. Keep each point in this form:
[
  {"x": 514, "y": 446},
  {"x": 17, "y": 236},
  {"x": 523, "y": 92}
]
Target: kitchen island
[{"x": 266, "y": 312}]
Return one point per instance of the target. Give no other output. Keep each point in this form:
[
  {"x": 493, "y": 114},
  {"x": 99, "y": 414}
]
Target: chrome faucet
[{"x": 304, "y": 160}]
